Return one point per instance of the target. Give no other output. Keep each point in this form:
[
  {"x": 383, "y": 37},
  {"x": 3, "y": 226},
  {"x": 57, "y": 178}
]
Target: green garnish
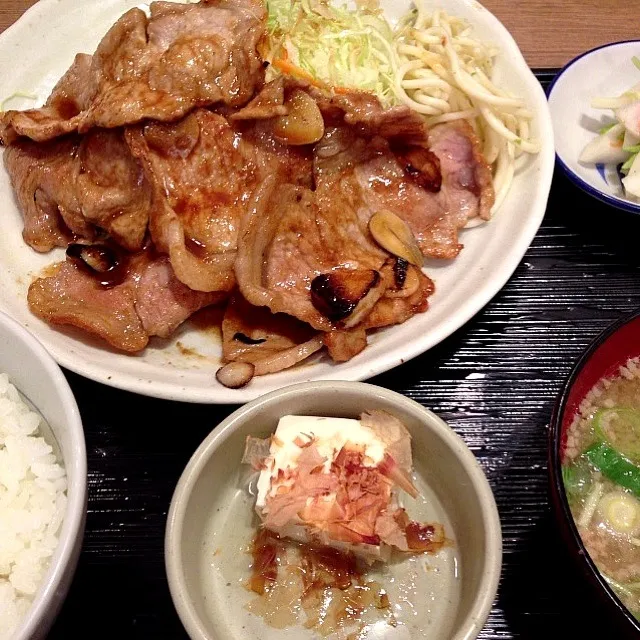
[
  {"x": 614, "y": 466},
  {"x": 634, "y": 149},
  {"x": 606, "y": 128},
  {"x": 636, "y": 61},
  {"x": 627, "y": 165},
  {"x": 576, "y": 478},
  {"x": 620, "y": 428}
]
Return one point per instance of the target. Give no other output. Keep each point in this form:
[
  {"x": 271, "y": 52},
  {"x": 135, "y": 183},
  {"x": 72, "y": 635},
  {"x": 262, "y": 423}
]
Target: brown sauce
[{"x": 317, "y": 587}]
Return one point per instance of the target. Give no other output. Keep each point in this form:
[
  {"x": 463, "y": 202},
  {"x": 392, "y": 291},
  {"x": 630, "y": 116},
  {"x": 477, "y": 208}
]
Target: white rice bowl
[{"x": 32, "y": 505}]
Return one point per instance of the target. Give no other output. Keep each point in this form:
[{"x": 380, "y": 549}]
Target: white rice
[{"x": 32, "y": 504}]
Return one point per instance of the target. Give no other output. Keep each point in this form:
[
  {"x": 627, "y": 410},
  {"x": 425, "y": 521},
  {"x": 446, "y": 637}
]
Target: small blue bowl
[{"x": 604, "y": 71}]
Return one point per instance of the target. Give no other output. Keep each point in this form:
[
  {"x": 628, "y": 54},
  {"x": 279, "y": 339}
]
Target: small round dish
[
  {"x": 602, "y": 359},
  {"x": 41, "y": 382},
  {"x": 211, "y": 522},
  {"x": 604, "y": 71}
]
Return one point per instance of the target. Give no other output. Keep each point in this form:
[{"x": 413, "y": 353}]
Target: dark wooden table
[{"x": 494, "y": 381}]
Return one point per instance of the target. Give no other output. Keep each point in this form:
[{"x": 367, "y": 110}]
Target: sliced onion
[
  {"x": 606, "y": 148},
  {"x": 288, "y": 358}
]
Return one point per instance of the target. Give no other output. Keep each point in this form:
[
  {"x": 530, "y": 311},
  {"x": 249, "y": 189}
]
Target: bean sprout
[{"x": 445, "y": 74}]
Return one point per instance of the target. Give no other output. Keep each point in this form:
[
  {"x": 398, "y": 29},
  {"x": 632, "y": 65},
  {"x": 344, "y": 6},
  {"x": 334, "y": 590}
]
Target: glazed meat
[
  {"x": 198, "y": 182},
  {"x": 112, "y": 190},
  {"x": 150, "y": 301},
  {"x": 160, "y": 68},
  {"x": 359, "y": 110},
  {"x": 38, "y": 176},
  {"x": 344, "y": 345},
  {"x": 280, "y": 251},
  {"x": 72, "y": 187},
  {"x": 203, "y": 173},
  {"x": 467, "y": 189},
  {"x": 363, "y": 114},
  {"x": 450, "y": 185},
  {"x": 294, "y": 259},
  {"x": 308, "y": 212},
  {"x": 311, "y": 255}
]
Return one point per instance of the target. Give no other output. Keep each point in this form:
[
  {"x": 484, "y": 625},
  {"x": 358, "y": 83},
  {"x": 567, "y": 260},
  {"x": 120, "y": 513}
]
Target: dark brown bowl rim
[{"x": 557, "y": 484}]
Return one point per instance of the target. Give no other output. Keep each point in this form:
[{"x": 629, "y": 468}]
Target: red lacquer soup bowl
[{"x": 602, "y": 359}]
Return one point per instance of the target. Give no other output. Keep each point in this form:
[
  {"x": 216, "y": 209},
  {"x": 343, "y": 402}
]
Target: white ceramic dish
[
  {"x": 211, "y": 523},
  {"x": 37, "y": 376},
  {"x": 39, "y": 48},
  {"x": 604, "y": 71}
]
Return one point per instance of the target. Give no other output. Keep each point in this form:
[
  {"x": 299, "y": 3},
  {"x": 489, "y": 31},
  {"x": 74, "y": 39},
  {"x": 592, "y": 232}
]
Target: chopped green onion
[
  {"x": 634, "y": 149},
  {"x": 614, "y": 466},
  {"x": 619, "y": 427},
  {"x": 606, "y": 128},
  {"x": 625, "y": 168},
  {"x": 636, "y": 61},
  {"x": 577, "y": 479},
  {"x": 620, "y": 511}
]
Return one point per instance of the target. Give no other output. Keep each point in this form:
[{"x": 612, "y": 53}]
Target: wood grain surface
[{"x": 549, "y": 32}]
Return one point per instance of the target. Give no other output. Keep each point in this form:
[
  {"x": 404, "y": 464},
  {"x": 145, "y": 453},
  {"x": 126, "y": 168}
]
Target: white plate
[
  {"x": 604, "y": 71},
  {"x": 37, "y": 50}
]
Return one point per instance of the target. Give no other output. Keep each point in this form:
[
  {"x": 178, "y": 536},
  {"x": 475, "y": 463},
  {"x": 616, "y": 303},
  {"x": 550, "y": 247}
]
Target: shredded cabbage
[{"x": 333, "y": 45}]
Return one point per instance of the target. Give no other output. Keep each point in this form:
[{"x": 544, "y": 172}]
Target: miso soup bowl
[
  {"x": 611, "y": 349},
  {"x": 441, "y": 459}
]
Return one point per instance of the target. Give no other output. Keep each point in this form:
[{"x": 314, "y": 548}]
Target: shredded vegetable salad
[
  {"x": 618, "y": 143},
  {"x": 431, "y": 62},
  {"x": 343, "y": 48}
]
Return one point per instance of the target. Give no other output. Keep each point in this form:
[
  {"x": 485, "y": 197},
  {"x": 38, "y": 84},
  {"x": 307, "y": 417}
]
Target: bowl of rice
[{"x": 43, "y": 485}]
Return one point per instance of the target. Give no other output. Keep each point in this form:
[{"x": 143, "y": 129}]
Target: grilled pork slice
[
  {"x": 74, "y": 186},
  {"x": 336, "y": 482},
  {"x": 159, "y": 68},
  {"x": 146, "y": 300},
  {"x": 387, "y": 159},
  {"x": 293, "y": 259},
  {"x": 311, "y": 255},
  {"x": 203, "y": 173},
  {"x": 40, "y": 177},
  {"x": 364, "y": 114},
  {"x": 450, "y": 185}
]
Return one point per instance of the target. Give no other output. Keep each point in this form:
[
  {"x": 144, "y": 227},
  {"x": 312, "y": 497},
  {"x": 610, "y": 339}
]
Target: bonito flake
[{"x": 337, "y": 482}]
